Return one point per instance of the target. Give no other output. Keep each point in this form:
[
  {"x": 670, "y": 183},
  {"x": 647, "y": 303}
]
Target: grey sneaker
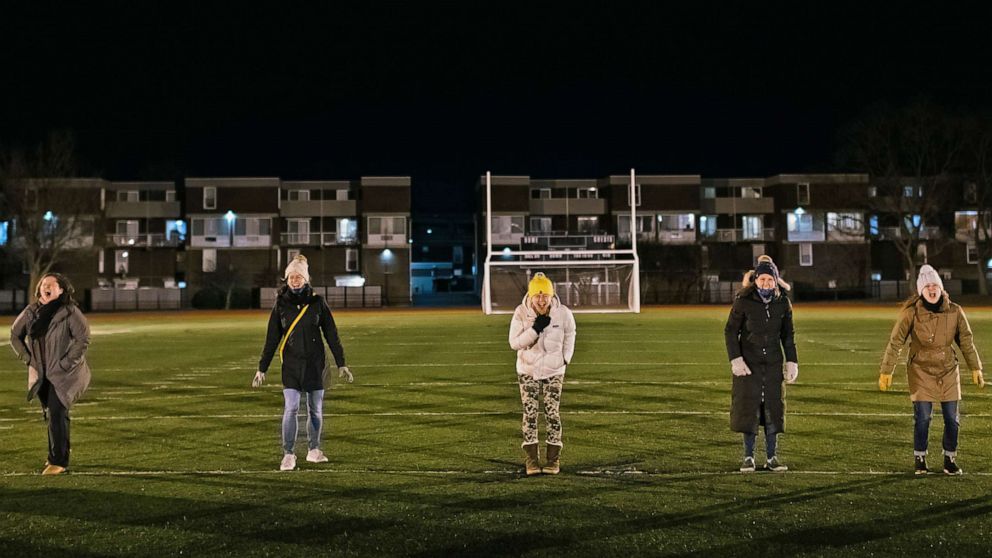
[
  {"x": 775, "y": 465},
  {"x": 747, "y": 466},
  {"x": 951, "y": 466}
]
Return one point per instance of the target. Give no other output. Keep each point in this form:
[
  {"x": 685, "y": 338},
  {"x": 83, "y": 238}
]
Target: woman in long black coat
[
  {"x": 299, "y": 324},
  {"x": 758, "y": 330}
]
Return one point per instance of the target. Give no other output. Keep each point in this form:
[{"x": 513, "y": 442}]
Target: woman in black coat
[
  {"x": 758, "y": 330},
  {"x": 298, "y": 319}
]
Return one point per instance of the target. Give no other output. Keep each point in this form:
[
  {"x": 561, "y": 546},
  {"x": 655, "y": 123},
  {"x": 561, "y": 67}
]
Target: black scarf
[
  {"x": 45, "y": 314},
  {"x": 932, "y": 307}
]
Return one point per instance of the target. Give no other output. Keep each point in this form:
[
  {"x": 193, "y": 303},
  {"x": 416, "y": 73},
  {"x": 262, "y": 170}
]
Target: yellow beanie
[{"x": 540, "y": 284}]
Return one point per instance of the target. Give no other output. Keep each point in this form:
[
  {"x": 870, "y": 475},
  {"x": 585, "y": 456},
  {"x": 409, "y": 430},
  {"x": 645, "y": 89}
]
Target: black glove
[{"x": 541, "y": 322}]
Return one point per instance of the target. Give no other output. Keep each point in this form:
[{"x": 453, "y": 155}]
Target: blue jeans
[
  {"x": 771, "y": 443},
  {"x": 315, "y": 410},
  {"x": 922, "y": 411}
]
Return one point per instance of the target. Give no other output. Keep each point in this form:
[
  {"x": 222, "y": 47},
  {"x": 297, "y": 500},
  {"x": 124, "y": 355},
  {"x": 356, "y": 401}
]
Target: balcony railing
[
  {"x": 148, "y": 239},
  {"x": 252, "y": 240},
  {"x": 315, "y": 239},
  {"x": 384, "y": 240},
  {"x": 737, "y": 235}
]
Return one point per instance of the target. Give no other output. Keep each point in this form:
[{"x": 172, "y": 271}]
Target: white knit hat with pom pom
[{"x": 298, "y": 265}]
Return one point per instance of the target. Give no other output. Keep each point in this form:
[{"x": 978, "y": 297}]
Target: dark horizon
[{"x": 445, "y": 92}]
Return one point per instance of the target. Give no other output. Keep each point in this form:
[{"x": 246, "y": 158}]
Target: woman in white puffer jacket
[{"x": 543, "y": 334}]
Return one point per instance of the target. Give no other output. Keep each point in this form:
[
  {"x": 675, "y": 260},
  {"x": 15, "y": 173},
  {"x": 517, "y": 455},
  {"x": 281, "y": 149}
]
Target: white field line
[
  {"x": 589, "y": 363},
  {"x": 93, "y": 331},
  {"x": 466, "y": 472},
  {"x": 463, "y": 413}
]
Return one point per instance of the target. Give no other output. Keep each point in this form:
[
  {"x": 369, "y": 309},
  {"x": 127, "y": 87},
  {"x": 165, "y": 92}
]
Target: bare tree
[
  {"x": 49, "y": 216},
  {"x": 912, "y": 154}
]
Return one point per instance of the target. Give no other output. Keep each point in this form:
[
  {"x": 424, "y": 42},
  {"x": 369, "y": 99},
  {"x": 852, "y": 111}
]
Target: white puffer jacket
[{"x": 545, "y": 355}]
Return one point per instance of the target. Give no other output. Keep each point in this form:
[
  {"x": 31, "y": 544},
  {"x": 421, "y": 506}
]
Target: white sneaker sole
[{"x": 321, "y": 460}]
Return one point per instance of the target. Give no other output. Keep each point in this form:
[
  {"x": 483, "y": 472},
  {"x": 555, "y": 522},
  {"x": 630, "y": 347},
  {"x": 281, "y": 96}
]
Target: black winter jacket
[
  {"x": 304, "y": 361},
  {"x": 759, "y": 332}
]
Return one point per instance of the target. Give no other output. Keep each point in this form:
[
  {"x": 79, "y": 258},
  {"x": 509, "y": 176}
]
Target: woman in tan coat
[{"x": 934, "y": 325}]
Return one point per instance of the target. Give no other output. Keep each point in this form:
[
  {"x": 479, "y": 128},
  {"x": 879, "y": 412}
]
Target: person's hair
[{"x": 67, "y": 289}]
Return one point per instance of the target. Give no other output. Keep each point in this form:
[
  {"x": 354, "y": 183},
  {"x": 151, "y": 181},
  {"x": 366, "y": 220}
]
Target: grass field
[{"x": 175, "y": 455}]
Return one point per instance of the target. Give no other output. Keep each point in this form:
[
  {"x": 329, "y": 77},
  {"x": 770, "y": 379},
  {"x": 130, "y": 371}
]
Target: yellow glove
[
  {"x": 978, "y": 379},
  {"x": 884, "y": 381}
]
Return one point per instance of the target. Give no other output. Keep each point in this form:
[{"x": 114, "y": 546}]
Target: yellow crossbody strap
[{"x": 282, "y": 344}]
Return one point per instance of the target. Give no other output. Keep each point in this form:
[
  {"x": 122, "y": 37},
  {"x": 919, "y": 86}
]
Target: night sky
[{"x": 447, "y": 91}]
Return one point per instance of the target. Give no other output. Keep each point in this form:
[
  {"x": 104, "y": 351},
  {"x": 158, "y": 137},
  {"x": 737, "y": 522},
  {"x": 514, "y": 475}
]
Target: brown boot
[
  {"x": 554, "y": 465},
  {"x": 531, "y": 463}
]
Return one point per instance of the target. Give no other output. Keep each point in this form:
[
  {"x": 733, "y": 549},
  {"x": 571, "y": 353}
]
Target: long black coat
[
  {"x": 759, "y": 332},
  {"x": 304, "y": 361}
]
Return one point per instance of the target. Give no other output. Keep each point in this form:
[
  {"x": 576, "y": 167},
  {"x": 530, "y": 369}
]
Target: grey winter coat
[
  {"x": 62, "y": 358},
  {"x": 759, "y": 332}
]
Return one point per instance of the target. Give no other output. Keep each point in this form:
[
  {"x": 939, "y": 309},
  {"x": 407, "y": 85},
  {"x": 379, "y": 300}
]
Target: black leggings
[{"x": 58, "y": 425}]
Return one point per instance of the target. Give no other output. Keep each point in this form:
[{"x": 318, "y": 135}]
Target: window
[
  {"x": 508, "y": 224},
  {"x": 676, "y": 222},
  {"x": 175, "y": 230},
  {"x": 753, "y": 227},
  {"x": 212, "y": 226},
  {"x": 341, "y": 195},
  {"x": 912, "y": 191},
  {"x": 120, "y": 262},
  {"x": 127, "y": 232},
  {"x": 457, "y": 255},
  {"x": 802, "y": 193},
  {"x": 972, "y": 253},
  {"x": 387, "y": 225},
  {"x": 872, "y": 191},
  {"x": 540, "y": 193},
  {"x": 298, "y": 195},
  {"x": 347, "y": 230},
  {"x": 252, "y": 226},
  {"x": 351, "y": 259},
  {"x": 170, "y": 195},
  {"x": 971, "y": 193},
  {"x": 873, "y": 225},
  {"x": 540, "y": 225},
  {"x": 588, "y": 225},
  {"x": 100, "y": 257},
  {"x": 292, "y": 253},
  {"x": 127, "y": 196},
  {"x": 210, "y": 197},
  {"x": 799, "y": 223},
  {"x": 845, "y": 223},
  {"x": 3, "y": 232},
  {"x": 637, "y": 195},
  {"x": 588, "y": 193},
  {"x": 707, "y": 225},
  {"x": 709, "y": 192},
  {"x": 209, "y": 260},
  {"x": 913, "y": 223},
  {"x": 298, "y": 230},
  {"x": 806, "y": 254},
  {"x": 750, "y": 191}
]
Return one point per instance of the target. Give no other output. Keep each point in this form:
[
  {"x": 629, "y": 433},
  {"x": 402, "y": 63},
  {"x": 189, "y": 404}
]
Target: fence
[
  {"x": 336, "y": 297},
  {"x": 145, "y": 298}
]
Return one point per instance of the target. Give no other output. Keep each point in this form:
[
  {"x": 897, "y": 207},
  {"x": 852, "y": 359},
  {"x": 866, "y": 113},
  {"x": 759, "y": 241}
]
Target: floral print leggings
[{"x": 531, "y": 391}]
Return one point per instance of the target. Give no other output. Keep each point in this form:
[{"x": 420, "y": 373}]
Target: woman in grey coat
[{"x": 51, "y": 337}]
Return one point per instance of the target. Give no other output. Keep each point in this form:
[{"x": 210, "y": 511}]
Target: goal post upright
[
  {"x": 487, "y": 301},
  {"x": 635, "y": 291}
]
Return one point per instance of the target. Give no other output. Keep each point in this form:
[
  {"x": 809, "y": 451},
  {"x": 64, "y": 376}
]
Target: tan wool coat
[{"x": 932, "y": 363}]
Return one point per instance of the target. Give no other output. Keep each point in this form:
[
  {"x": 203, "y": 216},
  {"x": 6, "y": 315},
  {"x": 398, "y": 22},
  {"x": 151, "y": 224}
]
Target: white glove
[
  {"x": 343, "y": 372},
  {"x": 791, "y": 372},
  {"x": 258, "y": 380},
  {"x": 738, "y": 368}
]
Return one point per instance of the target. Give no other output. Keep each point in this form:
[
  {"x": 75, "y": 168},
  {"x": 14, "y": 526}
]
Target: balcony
[
  {"x": 144, "y": 240},
  {"x": 507, "y": 239},
  {"x": 730, "y": 206},
  {"x": 120, "y": 209},
  {"x": 217, "y": 241},
  {"x": 895, "y": 233},
  {"x": 386, "y": 240},
  {"x": 677, "y": 237},
  {"x": 815, "y": 235},
  {"x": 737, "y": 235},
  {"x": 318, "y": 208},
  {"x": 315, "y": 239},
  {"x": 568, "y": 206},
  {"x": 252, "y": 240}
]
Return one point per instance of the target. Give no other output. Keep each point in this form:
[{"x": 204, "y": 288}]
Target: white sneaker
[
  {"x": 288, "y": 462},
  {"x": 316, "y": 456}
]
